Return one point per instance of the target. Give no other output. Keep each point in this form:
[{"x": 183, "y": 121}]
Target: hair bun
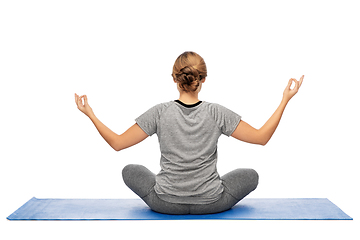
[
  {"x": 188, "y": 78},
  {"x": 190, "y": 73}
]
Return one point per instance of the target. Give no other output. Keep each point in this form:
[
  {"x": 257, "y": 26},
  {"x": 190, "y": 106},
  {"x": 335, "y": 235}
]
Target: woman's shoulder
[
  {"x": 163, "y": 104},
  {"x": 161, "y": 107},
  {"x": 213, "y": 106},
  {"x": 217, "y": 109},
  {"x": 156, "y": 110}
]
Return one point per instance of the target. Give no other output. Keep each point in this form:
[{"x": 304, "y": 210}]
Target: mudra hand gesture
[
  {"x": 83, "y": 107},
  {"x": 288, "y": 92}
]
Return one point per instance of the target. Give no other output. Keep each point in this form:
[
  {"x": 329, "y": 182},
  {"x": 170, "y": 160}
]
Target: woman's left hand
[
  {"x": 83, "y": 107},
  {"x": 288, "y": 92}
]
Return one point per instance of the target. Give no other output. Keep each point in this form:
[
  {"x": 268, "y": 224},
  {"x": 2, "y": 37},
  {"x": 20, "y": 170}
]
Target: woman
[{"x": 188, "y": 130}]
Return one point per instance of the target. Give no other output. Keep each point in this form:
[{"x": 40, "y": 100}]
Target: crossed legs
[{"x": 237, "y": 184}]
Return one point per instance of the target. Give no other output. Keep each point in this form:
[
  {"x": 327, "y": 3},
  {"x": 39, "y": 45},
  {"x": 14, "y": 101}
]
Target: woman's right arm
[
  {"x": 129, "y": 138},
  {"x": 247, "y": 133}
]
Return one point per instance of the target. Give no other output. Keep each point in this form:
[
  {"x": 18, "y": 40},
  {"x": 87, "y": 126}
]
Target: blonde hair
[{"x": 189, "y": 69}]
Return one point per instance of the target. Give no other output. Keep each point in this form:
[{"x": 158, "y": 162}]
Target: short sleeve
[
  {"x": 149, "y": 120},
  {"x": 226, "y": 119}
]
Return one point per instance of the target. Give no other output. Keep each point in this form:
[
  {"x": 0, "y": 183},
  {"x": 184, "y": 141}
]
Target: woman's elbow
[
  {"x": 263, "y": 141},
  {"x": 117, "y": 143},
  {"x": 117, "y": 148},
  {"x": 263, "y": 138}
]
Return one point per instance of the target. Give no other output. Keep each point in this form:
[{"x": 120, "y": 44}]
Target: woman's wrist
[
  {"x": 285, "y": 100},
  {"x": 91, "y": 115}
]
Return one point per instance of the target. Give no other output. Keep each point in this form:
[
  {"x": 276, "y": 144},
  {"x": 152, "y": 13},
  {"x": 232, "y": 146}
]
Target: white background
[{"x": 120, "y": 53}]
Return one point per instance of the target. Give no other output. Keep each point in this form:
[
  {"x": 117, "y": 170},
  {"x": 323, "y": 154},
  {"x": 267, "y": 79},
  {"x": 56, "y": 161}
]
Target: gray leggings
[{"x": 237, "y": 184}]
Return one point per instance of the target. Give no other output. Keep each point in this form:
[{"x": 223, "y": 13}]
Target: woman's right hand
[
  {"x": 83, "y": 107},
  {"x": 288, "y": 92}
]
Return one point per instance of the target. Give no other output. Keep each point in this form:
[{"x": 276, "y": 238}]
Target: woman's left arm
[
  {"x": 129, "y": 138},
  {"x": 247, "y": 133}
]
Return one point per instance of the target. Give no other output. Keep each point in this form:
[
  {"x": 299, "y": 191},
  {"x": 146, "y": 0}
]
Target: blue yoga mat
[{"x": 136, "y": 209}]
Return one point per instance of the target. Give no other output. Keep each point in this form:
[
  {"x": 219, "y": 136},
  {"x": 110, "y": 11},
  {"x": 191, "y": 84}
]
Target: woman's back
[{"x": 188, "y": 136}]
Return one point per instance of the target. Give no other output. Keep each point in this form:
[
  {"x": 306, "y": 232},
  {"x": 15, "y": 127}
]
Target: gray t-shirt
[{"x": 188, "y": 137}]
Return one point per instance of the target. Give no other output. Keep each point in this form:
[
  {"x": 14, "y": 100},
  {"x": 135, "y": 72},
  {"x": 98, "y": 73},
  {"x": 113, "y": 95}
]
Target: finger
[
  {"x": 81, "y": 100},
  {"x": 301, "y": 80},
  {"x": 296, "y": 87},
  {"x": 78, "y": 100},
  {"x": 289, "y": 84},
  {"x": 78, "y": 104}
]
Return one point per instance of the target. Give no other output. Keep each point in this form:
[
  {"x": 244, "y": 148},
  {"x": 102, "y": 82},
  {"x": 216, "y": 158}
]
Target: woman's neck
[{"x": 189, "y": 98}]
